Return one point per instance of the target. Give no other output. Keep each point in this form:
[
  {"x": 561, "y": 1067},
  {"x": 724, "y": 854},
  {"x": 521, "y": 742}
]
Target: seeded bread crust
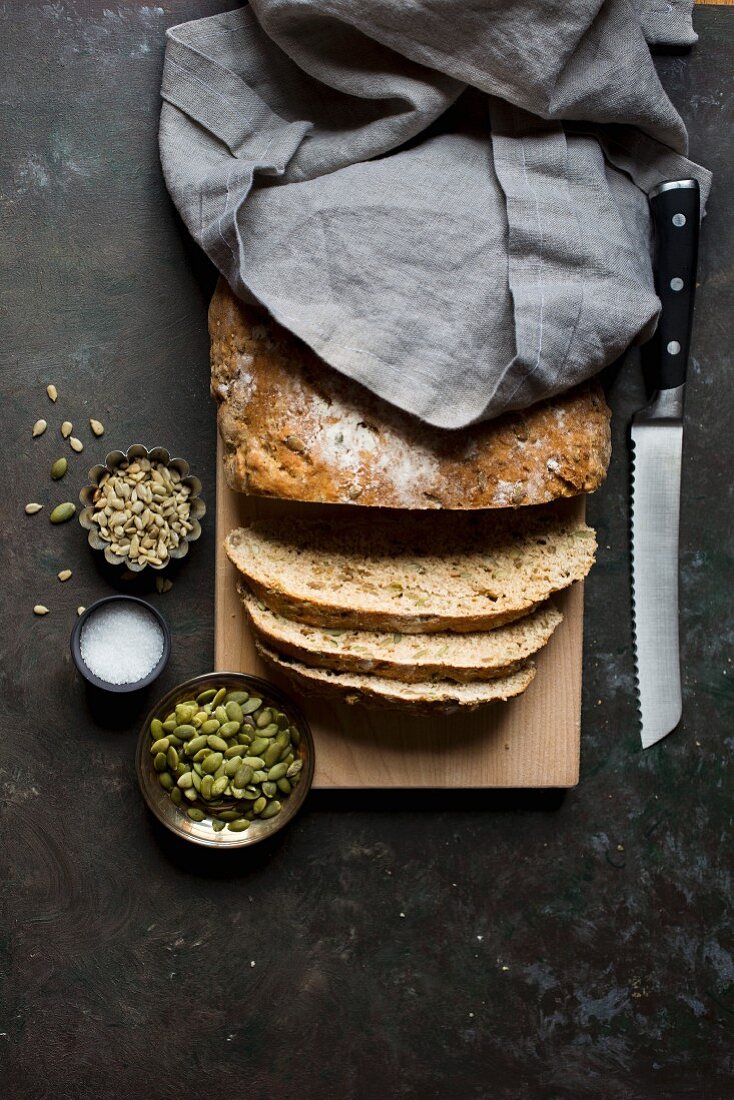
[
  {"x": 436, "y": 697},
  {"x": 412, "y": 658},
  {"x": 412, "y": 572},
  {"x": 295, "y": 428}
]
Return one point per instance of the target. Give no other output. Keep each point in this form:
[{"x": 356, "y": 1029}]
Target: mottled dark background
[{"x": 486, "y": 946}]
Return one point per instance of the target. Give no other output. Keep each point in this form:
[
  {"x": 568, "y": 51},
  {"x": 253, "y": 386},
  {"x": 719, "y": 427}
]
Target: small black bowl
[{"x": 89, "y": 676}]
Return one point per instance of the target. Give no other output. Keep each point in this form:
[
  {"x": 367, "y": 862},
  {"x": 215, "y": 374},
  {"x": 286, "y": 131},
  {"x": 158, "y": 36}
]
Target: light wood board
[{"x": 531, "y": 741}]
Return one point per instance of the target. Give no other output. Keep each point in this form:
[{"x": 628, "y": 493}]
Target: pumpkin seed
[
  {"x": 269, "y": 789},
  {"x": 236, "y": 697},
  {"x": 67, "y": 428},
  {"x": 264, "y": 718},
  {"x": 251, "y": 706},
  {"x": 234, "y": 712},
  {"x": 52, "y": 392},
  {"x": 80, "y": 610},
  {"x": 206, "y": 787},
  {"x": 231, "y": 767},
  {"x": 201, "y": 755},
  {"x": 76, "y": 444},
  {"x": 217, "y": 826},
  {"x": 172, "y": 757},
  {"x": 156, "y": 728},
  {"x": 166, "y": 781},
  {"x": 212, "y": 762},
  {"x": 254, "y": 761},
  {"x": 39, "y": 428},
  {"x": 239, "y": 825},
  {"x": 270, "y": 731},
  {"x": 218, "y": 697},
  {"x": 294, "y": 768},
  {"x": 284, "y": 785},
  {"x": 96, "y": 426},
  {"x": 32, "y": 508},
  {"x": 163, "y": 584},
  {"x": 160, "y": 762},
  {"x": 210, "y": 726},
  {"x": 170, "y": 725},
  {"x": 228, "y": 815},
  {"x": 233, "y": 751},
  {"x": 59, "y": 468},
  {"x": 295, "y": 736},
  {"x": 191, "y": 795},
  {"x": 259, "y": 776},
  {"x": 176, "y": 796},
  {"x": 186, "y": 781},
  {"x": 260, "y": 744},
  {"x": 278, "y": 771},
  {"x": 272, "y": 754},
  {"x": 206, "y": 696},
  {"x": 196, "y": 814},
  {"x": 196, "y": 779},
  {"x": 221, "y": 715},
  {"x": 161, "y": 745},
  {"x": 217, "y": 743},
  {"x": 195, "y": 744},
  {"x": 259, "y": 805},
  {"x": 270, "y": 810},
  {"x": 242, "y": 776},
  {"x": 186, "y": 732},
  {"x": 229, "y": 729},
  {"x": 62, "y": 512},
  {"x": 64, "y": 574},
  {"x": 219, "y": 786}
]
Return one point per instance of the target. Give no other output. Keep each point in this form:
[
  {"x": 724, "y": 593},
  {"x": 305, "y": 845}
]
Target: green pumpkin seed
[
  {"x": 235, "y": 792},
  {"x": 259, "y": 745},
  {"x": 251, "y": 706},
  {"x": 175, "y": 741},
  {"x": 221, "y": 715},
  {"x": 234, "y": 713},
  {"x": 62, "y": 512},
  {"x": 277, "y": 771},
  {"x": 217, "y": 826},
  {"x": 160, "y": 746},
  {"x": 210, "y": 726},
  {"x": 156, "y": 729},
  {"x": 259, "y": 805},
  {"x": 254, "y": 761},
  {"x": 217, "y": 698},
  {"x": 284, "y": 785},
  {"x": 176, "y": 796},
  {"x": 169, "y": 725},
  {"x": 160, "y": 762},
  {"x": 201, "y": 755},
  {"x": 212, "y": 762},
  {"x": 186, "y": 781},
  {"x": 239, "y": 825},
  {"x": 270, "y": 810},
  {"x": 269, "y": 789},
  {"x": 219, "y": 786},
  {"x": 294, "y": 768},
  {"x": 181, "y": 769},
  {"x": 281, "y": 721},
  {"x": 288, "y": 758},
  {"x": 259, "y": 776},
  {"x": 217, "y": 743},
  {"x": 195, "y": 745},
  {"x": 243, "y": 738},
  {"x": 206, "y": 696},
  {"x": 270, "y": 731},
  {"x": 272, "y": 754},
  {"x": 191, "y": 795},
  {"x": 196, "y": 814},
  {"x": 236, "y": 697},
  {"x": 229, "y": 729},
  {"x": 264, "y": 718},
  {"x": 197, "y": 780},
  {"x": 185, "y": 711},
  {"x": 232, "y": 766},
  {"x": 243, "y": 775},
  {"x": 166, "y": 781},
  {"x": 206, "y": 787},
  {"x": 59, "y": 468},
  {"x": 186, "y": 732},
  {"x": 295, "y": 736},
  {"x": 172, "y": 757},
  {"x": 251, "y": 793},
  {"x": 232, "y": 752}
]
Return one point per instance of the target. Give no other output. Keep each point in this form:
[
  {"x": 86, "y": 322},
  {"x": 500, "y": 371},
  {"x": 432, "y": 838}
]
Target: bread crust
[{"x": 296, "y": 429}]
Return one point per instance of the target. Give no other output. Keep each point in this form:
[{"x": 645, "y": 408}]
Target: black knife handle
[{"x": 675, "y": 207}]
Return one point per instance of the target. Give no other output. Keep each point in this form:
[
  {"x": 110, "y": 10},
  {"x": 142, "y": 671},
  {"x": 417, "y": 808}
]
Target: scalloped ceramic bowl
[{"x": 111, "y": 462}]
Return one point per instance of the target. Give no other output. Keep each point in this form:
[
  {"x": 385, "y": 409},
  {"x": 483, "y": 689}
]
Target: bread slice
[
  {"x": 412, "y": 572},
  {"x": 434, "y": 697},
  {"x": 294, "y": 428},
  {"x": 412, "y": 658}
]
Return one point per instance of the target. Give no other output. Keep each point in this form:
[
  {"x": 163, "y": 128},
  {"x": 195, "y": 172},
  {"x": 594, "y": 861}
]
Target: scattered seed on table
[
  {"x": 39, "y": 428},
  {"x": 76, "y": 444},
  {"x": 62, "y": 512},
  {"x": 32, "y": 508},
  {"x": 52, "y": 391},
  {"x": 80, "y": 610},
  {"x": 163, "y": 584},
  {"x": 97, "y": 426},
  {"x": 59, "y": 468},
  {"x": 64, "y": 574},
  {"x": 39, "y": 609},
  {"x": 67, "y": 428}
]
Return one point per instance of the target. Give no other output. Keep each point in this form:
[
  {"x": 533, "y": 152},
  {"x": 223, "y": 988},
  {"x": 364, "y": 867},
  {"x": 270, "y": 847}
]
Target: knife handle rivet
[
  {"x": 673, "y": 347},
  {"x": 676, "y": 284},
  {"x": 679, "y": 220}
]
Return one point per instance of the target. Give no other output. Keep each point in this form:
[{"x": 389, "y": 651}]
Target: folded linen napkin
[{"x": 446, "y": 201}]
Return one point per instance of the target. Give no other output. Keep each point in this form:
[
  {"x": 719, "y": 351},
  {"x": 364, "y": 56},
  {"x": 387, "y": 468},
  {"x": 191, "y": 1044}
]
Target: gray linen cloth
[{"x": 446, "y": 201}]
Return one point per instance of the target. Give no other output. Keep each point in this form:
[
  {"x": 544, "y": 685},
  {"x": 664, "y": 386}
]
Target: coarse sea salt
[{"x": 121, "y": 643}]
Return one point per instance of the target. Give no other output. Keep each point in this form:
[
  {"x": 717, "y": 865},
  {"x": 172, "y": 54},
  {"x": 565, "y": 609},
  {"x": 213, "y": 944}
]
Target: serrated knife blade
[{"x": 657, "y": 451}]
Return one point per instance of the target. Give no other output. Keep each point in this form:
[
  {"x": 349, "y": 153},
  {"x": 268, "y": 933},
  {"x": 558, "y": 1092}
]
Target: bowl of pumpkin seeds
[
  {"x": 225, "y": 760},
  {"x": 142, "y": 508}
]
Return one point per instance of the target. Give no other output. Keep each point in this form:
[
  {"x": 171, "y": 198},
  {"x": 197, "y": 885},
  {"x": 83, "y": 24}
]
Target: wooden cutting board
[{"x": 530, "y": 741}]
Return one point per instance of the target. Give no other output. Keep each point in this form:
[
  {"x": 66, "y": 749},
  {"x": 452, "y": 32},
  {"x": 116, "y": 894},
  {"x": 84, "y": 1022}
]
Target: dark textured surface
[{"x": 493, "y": 947}]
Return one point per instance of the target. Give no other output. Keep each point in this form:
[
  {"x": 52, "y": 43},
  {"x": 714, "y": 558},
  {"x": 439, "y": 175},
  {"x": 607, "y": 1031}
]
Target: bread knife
[{"x": 657, "y": 449}]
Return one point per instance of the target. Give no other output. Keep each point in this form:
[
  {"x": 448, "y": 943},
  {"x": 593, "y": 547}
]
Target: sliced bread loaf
[
  {"x": 413, "y": 658},
  {"x": 434, "y": 697},
  {"x": 415, "y": 572}
]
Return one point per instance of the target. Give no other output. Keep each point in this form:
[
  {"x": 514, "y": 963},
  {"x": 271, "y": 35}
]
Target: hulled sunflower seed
[
  {"x": 67, "y": 428},
  {"x": 76, "y": 444},
  {"x": 52, "y": 392},
  {"x": 32, "y": 508},
  {"x": 64, "y": 574},
  {"x": 39, "y": 428},
  {"x": 97, "y": 426},
  {"x": 39, "y": 609}
]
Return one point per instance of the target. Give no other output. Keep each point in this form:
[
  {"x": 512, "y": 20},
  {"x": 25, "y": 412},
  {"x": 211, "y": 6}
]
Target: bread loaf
[
  {"x": 436, "y": 696},
  {"x": 412, "y": 658},
  {"x": 412, "y": 572},
  {"x": 294, "y": 428}
]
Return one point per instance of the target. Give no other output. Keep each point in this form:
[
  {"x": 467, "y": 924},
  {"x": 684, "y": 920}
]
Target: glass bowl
[{"x": 201, "y": 832}]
